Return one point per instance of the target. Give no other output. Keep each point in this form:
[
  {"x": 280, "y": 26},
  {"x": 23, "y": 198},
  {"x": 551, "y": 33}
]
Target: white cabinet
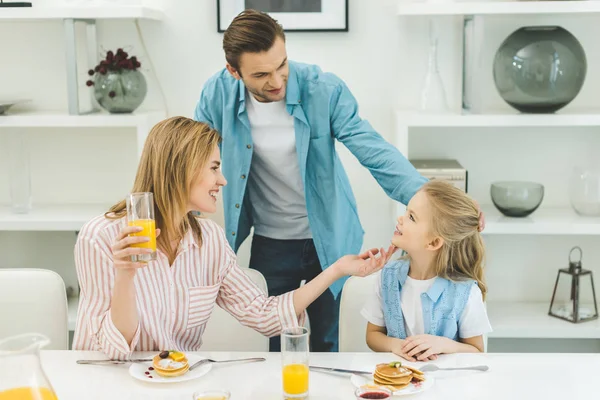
[
  {"x": 517, "y": 319},
  {"x": 70, "y": 217}
]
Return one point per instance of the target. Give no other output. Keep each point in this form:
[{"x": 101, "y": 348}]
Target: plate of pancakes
[
  {"x": 400, "y": 378},
  {"x": 169, "y": 366}
]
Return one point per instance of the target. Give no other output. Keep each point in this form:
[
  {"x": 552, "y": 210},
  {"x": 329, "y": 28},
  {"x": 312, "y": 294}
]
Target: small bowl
[
  {"x": 517, "y": 199},
  {"x": 373, "y": 392}
]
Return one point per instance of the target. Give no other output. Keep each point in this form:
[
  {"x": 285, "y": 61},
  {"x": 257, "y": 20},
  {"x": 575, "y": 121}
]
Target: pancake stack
[
  {"x": 396, "y": 376},
  {"x": 170, "y": 363}
]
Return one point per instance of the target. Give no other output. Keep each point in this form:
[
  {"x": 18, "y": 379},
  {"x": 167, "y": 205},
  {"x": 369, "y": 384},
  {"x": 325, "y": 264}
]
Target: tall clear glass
[
  {"x": 140, "y": 212},
  {"x": 19, "y": 170},
  {"x": 21, "y": 373},
  {"x": 294, "y": 356}
]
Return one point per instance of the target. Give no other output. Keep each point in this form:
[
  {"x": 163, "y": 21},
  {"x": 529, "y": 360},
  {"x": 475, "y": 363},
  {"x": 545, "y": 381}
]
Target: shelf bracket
[{"x": 73, "y": 87}]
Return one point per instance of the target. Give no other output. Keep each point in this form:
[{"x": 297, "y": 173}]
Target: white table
[{"x": 511, "y": 376}]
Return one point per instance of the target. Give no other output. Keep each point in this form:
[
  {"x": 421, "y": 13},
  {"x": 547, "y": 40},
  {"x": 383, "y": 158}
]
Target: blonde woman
[
  {"x": 431, "y": 302},
  {"x": 165, "y": 304}
]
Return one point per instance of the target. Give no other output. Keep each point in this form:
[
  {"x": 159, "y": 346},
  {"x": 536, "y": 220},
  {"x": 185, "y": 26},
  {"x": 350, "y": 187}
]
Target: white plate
[
  {"x": 413, "y": 388},
  {"x": 138, "y": 371}
]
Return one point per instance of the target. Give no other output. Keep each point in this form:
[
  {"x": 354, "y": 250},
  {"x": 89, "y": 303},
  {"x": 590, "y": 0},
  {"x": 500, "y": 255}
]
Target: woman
[{"x": 127, "y": 306}]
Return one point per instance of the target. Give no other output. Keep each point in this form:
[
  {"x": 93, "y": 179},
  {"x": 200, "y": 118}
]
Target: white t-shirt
[
  {"x": 275, "y": 185},
  {"x": 473, "y": 321}
]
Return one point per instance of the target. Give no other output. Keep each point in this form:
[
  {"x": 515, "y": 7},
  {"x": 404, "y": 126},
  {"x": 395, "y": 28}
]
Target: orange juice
[
  {"x": 149, "y": 230},
  {"x": 295, "y": 379},
  {"x": 28, "y": 393}
]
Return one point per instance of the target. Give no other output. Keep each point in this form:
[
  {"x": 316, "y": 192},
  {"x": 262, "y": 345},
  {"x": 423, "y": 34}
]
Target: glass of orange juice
[
  {"x": 294, "y": 355},
  {"x": 140, "y": 212}
]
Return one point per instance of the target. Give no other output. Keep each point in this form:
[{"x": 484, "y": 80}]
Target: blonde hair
[
  {"x": 455, "y": 218},
  {"x": 175, "y": 151}
]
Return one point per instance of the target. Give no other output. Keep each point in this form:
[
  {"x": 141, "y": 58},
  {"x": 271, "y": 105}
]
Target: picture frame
[{"x": 293, "y": 15}]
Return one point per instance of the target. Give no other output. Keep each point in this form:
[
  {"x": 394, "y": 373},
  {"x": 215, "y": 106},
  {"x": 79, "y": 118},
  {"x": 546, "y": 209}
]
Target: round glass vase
[{"x": 120, "y": 92}]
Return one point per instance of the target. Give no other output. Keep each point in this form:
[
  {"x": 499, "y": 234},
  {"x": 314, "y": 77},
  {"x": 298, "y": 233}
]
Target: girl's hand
[
  {"x": 422, "y": 347},
  {"x": 122, "y": 250},
  {"x": 397, "y": 350},
  {"x": 363, "y": 264}
]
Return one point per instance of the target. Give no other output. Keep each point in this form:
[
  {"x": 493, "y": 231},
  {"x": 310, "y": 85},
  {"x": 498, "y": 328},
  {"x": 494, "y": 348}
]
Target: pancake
[
  {"x": 393, "y": 381},
  {"x": 387, "y": 371},
  {"x": 414, "y": 370},
  {"x": 174, "y": 364}
]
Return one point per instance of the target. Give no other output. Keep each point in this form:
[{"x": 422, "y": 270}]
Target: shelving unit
[
  {"x": 73, "y": 12},
  {"x": 60, "y": 217},
  {"x": 531, "y": 321},
  {"x": 499, "y": 7},
  {"x": 71, "y": 217},
  {"x": 510, "y": 320},
  {"x": 562, "y": 118}
]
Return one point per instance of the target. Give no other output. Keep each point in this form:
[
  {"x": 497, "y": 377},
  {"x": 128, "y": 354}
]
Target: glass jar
[{"x": 584, "y": 191}]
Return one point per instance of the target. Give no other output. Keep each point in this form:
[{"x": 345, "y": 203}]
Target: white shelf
[
  {"x": 50, "y": 217},
  {"x": 73, "y": 305},
  {"x": 496, "y": 120},
  {"x": 8, "y": 14},
  {"x": 531, "y": 320},
  {"x": 406, "y": 7},
  {"x": 64, "y": 120},
  {"x": 543, "y": 221}
]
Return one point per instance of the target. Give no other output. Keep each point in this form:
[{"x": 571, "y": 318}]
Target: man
[{"x": 279, "y": 120}]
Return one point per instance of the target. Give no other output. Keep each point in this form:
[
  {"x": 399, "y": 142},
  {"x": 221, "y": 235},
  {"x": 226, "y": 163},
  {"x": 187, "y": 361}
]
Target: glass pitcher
[{"x": 21, "y": 373}]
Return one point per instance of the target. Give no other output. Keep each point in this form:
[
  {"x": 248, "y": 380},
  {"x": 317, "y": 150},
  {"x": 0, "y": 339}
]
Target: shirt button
[
  {"x": 237, "y": 206},
  {"x": 232, "y": 233},
  {"x": 248, "y": 146},
  {"x": 243, "y": 176}
]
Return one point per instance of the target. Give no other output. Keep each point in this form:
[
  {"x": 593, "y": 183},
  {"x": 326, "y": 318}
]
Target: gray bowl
[{"x": 517, "y": 199}]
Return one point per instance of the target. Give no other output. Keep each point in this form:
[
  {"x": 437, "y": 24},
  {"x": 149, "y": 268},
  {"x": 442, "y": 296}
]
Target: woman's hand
[
  {"x": 364, "y": 264},
  {"x": 423, "y": 347},
  {"x": 122, "y": 250}
]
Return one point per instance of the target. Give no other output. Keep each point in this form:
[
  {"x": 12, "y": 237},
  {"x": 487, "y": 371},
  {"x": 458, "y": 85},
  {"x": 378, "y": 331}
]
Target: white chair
[
  {"x": 353, "y": 326},
  {"x": 224, "y": 332},
  {"x": 34, "y": 301}
]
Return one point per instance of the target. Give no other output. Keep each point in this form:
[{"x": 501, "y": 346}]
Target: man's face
[{"x": 264, "y": 74}]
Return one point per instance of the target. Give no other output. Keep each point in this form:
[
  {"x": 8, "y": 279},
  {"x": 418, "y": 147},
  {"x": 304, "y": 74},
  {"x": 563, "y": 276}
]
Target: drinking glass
[
  {"x": 294, "y": 355},
  {"x": 140, "y": 212}
]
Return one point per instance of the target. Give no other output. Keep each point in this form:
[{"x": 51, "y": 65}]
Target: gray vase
[
  {"x": 539, "y": 69},
  {"x": 120, "y": 92}
]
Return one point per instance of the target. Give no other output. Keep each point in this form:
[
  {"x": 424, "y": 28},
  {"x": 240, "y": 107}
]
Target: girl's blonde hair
[
  {"x": 455, "y": 218},
  {"x": 175, "y": 152}
]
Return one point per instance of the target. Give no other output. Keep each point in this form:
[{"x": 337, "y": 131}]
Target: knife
[
  {"x": 347, "y": 371},
  {"x": 101, "y": 362}
]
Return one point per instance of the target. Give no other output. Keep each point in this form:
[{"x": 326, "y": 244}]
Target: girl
[
  {"x": 127, "y": 306},
  {"x": 431, "y": 301}
]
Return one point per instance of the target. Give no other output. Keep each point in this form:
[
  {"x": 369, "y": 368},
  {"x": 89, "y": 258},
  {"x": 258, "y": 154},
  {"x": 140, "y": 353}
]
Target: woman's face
[{"x": 205, "y": 188}]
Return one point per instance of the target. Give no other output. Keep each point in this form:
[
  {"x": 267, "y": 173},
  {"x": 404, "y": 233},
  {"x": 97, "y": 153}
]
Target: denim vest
[{"x": 443, "y": 303}]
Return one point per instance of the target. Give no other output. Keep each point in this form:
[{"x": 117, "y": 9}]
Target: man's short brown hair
[{"x": 250, "y": 32}]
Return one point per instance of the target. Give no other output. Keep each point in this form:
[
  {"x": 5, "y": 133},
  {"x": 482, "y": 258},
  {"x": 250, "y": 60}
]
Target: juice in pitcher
[{"x": 28, "y": 393}]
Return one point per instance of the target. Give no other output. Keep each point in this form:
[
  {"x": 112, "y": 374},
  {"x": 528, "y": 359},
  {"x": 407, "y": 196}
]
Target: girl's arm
[{"x": 475, "y": 342}]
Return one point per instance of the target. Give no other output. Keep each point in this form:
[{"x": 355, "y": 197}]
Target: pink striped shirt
[{"x": 174, "y": 302}]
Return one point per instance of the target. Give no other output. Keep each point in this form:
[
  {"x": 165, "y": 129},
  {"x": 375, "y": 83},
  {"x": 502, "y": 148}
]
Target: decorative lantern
[{"x": 568, "y": 301}]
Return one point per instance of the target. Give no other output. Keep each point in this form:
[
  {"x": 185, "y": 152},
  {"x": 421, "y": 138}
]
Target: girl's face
[
  {"x": 413, "y": 231},
  {"x": 204, "y": 190}
]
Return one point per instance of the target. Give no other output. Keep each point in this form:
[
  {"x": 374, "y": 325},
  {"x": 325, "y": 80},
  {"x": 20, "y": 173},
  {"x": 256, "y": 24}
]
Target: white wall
[{"x": 382, "y": 58}]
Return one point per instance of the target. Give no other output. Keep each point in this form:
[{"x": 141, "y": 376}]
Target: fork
[
  {"x": 208, "y": 360},
  {"x": 433, "y": 367}
]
